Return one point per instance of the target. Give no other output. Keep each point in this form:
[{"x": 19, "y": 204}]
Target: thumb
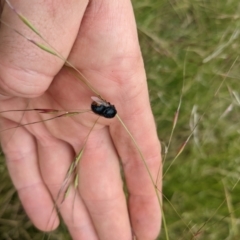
[{"x": 25, "y": 69}]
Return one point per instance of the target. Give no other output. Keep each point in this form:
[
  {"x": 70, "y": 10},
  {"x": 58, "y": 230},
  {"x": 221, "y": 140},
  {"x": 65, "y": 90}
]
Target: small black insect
[{"x": 103, "y": 108}]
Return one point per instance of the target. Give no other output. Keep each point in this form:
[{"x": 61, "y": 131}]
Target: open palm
[{"x": 100, "y": 39}]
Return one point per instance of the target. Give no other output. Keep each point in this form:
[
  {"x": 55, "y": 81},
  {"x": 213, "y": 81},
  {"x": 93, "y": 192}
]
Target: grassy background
[
  {"x": 203, "y": 38},
  {"x": 201, "y": 186}
]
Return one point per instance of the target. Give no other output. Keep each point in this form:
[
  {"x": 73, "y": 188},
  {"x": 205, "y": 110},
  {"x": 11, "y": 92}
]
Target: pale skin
[{"x": 100, "y": 39}]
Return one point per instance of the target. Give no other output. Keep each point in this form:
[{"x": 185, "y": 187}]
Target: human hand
[{"x": 100, "y": 39}]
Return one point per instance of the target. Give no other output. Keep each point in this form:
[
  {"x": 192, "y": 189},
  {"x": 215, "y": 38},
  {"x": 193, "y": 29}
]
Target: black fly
[{"x": 103, "y": 108}]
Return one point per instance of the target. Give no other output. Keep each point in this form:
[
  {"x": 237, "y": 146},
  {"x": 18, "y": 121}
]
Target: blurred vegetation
[{"x": 194, "y": 44}]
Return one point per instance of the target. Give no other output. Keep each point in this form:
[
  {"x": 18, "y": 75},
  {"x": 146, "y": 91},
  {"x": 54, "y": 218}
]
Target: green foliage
[{"x": 203, "y": 37}]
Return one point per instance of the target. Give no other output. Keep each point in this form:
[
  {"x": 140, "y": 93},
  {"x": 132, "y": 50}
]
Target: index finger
[
  {"x": 135, "y": 111},
  {"x": 111, "y": 59},
  {"x": 112, "y": 53},
  {"x": 141, "y": 165}
]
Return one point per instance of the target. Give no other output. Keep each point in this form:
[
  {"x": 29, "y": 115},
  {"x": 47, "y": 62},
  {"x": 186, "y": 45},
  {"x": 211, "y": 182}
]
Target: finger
[
  {"x": 55, "y": 160},
  {"x": 101, "y": 187},
  {"x": 116, "y": 58},
  {"x": 26, "y": 70},
  {"x": 135, "y": 111},
  {"x": 22, "y": 162},
  {"x": 144, "y": 206}
]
